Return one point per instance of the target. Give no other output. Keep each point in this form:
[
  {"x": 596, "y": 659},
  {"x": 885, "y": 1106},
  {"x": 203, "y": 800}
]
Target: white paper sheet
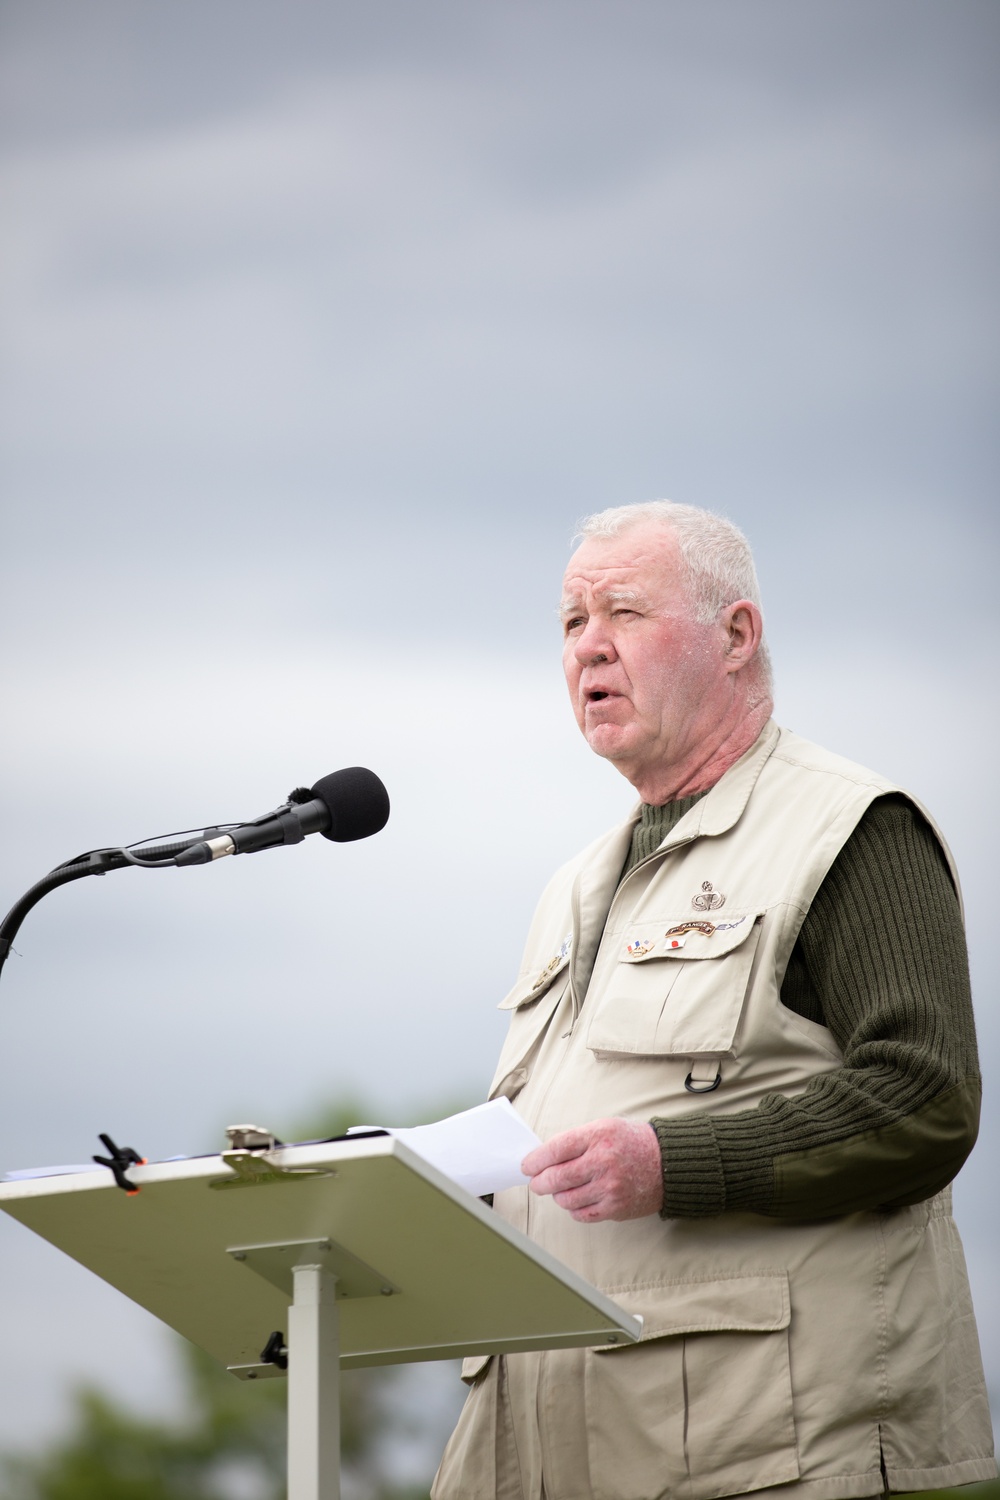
[
  {"x": 481, "y": 1149},
  {"x": 25, "y": 1174}
]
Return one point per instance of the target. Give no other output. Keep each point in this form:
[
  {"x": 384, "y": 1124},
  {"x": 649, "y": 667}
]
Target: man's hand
[{"x": 607, "y": 1169}]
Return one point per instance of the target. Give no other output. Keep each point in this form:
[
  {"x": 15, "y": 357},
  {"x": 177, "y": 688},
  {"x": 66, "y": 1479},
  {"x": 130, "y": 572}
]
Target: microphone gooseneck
[{"x": 346, "y": 805}]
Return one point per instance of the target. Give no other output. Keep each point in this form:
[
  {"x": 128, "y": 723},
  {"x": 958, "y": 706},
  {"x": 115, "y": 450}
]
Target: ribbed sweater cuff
[{"x": 694, "y": 1185}]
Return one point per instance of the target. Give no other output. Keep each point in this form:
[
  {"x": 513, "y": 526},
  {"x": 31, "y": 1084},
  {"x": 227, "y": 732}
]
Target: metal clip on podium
[{"x": 364, "y": 1252}]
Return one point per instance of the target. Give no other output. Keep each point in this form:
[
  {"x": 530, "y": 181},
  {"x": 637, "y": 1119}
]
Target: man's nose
[{"x": 593, "y": 645}]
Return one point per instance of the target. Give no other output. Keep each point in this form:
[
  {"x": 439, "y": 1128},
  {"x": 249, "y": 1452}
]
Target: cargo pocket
[
  {"x": 473, "y": 1366},
  {"x": 677, "y": 990},
  {"x": 703, "y": 1402}
]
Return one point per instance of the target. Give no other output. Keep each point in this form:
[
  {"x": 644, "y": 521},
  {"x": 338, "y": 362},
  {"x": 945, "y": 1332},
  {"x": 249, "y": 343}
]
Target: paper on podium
[{"x": 481, "y": 1149}]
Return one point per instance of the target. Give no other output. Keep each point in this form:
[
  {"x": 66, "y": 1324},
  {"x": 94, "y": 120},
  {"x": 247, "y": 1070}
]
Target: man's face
[{"x": 647, "y": 681}]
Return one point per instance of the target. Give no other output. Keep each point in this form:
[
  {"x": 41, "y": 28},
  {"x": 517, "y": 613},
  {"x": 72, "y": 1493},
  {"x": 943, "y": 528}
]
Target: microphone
[{"x": 344, "y": 806}]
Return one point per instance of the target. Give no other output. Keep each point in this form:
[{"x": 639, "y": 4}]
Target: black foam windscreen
[{"x": 357, "y": 801}]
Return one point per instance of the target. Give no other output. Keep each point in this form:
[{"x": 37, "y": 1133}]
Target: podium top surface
[{"x": 425, "y": 1270}]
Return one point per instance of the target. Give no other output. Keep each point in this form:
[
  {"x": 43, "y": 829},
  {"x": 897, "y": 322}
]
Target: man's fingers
[
  {"x": 607, "y": 1169},
  {"x": 561, "y": 1148},
  {"x": 563, "y": 1177},
  {"x": 575, "y": 1200}
]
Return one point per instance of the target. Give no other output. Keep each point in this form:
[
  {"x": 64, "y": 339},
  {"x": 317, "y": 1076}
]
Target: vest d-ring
[{"x": 700, "y": 1081}]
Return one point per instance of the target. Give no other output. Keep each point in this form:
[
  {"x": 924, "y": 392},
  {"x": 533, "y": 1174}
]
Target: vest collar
[{"x": 723, "y": 805}]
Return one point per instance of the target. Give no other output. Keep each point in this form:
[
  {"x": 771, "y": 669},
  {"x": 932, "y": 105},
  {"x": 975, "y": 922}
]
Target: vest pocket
[
  {"x": 683, "y": 1001},
  {"x": 530, "y": 987},
  {"x": 532, "y": 1008},
  {"x": 703, "y": 1403}
]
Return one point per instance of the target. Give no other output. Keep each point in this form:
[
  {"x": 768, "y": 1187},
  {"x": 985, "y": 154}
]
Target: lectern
[{"x": 357, "y": 1252}]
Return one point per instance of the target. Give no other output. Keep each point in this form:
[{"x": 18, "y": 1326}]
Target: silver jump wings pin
[{"x": 708, "y": 899}]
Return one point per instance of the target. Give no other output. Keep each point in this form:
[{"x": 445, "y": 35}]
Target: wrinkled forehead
[{"x": 645, "y": 561}]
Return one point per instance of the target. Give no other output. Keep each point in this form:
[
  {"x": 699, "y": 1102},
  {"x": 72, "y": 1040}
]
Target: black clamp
[
  {"x": 121, "y": 1157},
  {"x": 275, "y": 1351}
]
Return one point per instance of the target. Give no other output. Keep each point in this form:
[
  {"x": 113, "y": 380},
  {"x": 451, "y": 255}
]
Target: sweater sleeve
[{"x": 880, "y": 960}]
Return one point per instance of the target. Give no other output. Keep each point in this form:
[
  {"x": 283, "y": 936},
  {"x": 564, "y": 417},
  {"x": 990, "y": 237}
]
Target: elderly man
[{"x": 743, "y": 1031}]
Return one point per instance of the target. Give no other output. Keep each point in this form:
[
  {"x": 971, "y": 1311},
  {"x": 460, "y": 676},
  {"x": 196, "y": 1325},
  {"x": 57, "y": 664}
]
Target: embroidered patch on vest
[{"x": 708, "y": 899}]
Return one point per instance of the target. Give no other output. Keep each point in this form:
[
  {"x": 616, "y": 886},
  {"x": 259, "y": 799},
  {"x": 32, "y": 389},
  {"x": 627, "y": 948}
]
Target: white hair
[{"x": 716, "y": 554}]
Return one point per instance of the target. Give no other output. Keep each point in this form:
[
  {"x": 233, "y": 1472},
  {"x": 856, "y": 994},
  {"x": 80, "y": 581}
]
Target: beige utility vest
[{"x": 772, "y": 1352}]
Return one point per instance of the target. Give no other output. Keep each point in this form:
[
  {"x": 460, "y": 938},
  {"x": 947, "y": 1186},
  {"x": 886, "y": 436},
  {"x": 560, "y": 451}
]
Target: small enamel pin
[
  {"x": 705, "y": 928},
  {"x": 554, "y": 962},
  {"x": 639, "y": 947}
]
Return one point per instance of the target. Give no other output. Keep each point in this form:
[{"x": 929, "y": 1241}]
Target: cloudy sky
[{"x": 322, "y": 326}]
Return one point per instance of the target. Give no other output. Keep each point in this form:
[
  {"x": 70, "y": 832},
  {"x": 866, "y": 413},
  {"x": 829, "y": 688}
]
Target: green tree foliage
[
  {"x": 112, "y": 1454},
  {"x": 227, "y": 1443}
]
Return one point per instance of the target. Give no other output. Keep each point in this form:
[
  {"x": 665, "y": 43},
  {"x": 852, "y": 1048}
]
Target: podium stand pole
[{"x": 313, "y": 1386}]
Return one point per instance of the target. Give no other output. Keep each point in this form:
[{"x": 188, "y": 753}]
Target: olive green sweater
[{"x": 881, "y": 961}]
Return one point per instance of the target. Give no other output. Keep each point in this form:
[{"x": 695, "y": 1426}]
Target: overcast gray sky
[{"x": 322, "y": 325}]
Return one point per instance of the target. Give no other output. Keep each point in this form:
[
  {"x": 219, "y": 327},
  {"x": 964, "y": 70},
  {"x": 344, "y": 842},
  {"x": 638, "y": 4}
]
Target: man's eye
[{"x": 573, "y": 624}]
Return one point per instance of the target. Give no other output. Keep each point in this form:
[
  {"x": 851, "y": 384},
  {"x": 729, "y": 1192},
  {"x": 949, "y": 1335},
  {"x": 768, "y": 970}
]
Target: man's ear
[{"x": 743, "y": 628}]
